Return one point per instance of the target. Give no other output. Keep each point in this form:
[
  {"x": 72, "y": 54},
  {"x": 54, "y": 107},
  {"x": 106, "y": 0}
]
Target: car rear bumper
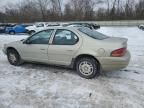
[{"x": 115, "y": 63}]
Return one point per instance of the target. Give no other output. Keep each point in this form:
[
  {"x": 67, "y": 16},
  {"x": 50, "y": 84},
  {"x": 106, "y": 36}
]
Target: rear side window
[
  {"x": 92, "y": 33},
  {"x": 65, "y": 37}
]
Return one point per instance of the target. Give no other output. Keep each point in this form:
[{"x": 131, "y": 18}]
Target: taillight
[{"x": 118, "y": 52}]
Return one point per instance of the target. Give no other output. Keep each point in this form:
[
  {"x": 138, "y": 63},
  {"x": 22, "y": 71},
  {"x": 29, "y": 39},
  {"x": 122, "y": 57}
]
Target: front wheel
[
  {"x": 87, "y": 67},
  {"x": 13, "y": 57},
  {"x": 11, "y": 32}
]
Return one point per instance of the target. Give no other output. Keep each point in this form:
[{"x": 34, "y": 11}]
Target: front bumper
[{"x": 115, "y": 63}]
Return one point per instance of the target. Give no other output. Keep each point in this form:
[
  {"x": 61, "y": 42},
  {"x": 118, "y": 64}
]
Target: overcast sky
[
  {"x": 4, "y": 2},
  {"x": 8, "y": 2}
]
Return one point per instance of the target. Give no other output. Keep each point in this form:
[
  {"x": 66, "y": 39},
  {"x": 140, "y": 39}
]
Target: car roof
[
  {"x": 69, "y": 28},
  {"x": 77, "y": 23}
]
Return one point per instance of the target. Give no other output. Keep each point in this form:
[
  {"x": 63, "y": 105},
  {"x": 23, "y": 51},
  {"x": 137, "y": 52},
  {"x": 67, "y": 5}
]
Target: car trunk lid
[
  {"x": 117, "y": 40},
  {"x": 117, "y": 46}
]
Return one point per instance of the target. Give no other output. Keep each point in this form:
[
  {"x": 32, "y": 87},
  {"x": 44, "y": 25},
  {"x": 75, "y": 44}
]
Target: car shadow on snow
[
  {"x": 58, "y": 70},
  {"x": 47, "y": 67},
  {"x": 127, "y": 73}
]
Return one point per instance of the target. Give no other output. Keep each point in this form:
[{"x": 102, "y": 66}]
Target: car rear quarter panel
[
  {"x": 99, "y": 47},
  {"x": 92, "y": 47},
  {"x": 101, "y": 50}
]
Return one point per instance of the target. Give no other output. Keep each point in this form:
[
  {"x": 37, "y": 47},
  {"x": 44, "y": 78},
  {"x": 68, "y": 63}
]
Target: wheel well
[
  {"x": 11, "y": 31},
  {"x": 83, "y": 56},
  {"x": 11, "y": 48}
]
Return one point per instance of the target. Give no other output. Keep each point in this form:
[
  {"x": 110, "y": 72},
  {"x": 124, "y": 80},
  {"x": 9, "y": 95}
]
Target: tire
[
  {"x": 14, "y": 58},
  {"x": 142, "y": 28},
  {"x": 12, "y": 32},
  {"x": 87, "y": 67}
]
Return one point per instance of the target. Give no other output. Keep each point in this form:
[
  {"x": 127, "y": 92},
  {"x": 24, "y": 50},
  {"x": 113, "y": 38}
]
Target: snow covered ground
[{"x": 42, "y": 86}]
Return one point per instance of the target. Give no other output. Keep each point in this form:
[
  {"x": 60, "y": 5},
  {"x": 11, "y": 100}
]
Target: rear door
[{"x": 64, "y": 45}]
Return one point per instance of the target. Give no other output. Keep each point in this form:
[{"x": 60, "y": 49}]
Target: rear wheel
[
  {"x": 87, "y": 67},
  {"x": 13, "y": 57},
  {"x": 12, "y": 32}
]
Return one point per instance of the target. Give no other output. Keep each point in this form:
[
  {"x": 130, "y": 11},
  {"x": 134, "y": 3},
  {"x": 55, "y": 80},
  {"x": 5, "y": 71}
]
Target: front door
[{"x": 35, "y": 48}]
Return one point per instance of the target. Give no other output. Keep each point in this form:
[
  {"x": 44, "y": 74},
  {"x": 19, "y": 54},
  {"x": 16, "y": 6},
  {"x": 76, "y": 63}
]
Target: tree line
[{"x": 73, "y": 10}]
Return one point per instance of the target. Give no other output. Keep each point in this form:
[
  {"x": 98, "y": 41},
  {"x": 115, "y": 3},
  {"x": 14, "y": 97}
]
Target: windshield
[{"x": 92, "y": 33}]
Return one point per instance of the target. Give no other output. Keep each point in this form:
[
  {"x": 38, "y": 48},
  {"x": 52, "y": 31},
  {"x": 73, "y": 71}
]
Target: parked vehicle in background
[
  {"x": 36, "y": 27},
  {"x": 16, "y": 29},
  {"x": 141, "y": 26},
  {"x": 89, "y": 25},
  {"x": 2, "y": 29},
  {"x": 4, "y": 26},
  {"x": 95, "y": 26},
  {"x": 40, "y": 26},
  {"x": 83, "y": 49}
]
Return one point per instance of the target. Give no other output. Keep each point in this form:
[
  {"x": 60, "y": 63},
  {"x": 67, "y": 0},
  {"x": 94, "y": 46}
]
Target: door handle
[{"x": 69, "y": 50}]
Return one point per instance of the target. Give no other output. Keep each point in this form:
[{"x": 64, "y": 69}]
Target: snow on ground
[
  {"x": 43, "y": 86},
  {"x": 5, "y": 38}
]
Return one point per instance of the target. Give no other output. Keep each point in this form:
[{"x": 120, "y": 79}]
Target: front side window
[
  {"x": 65, "y": 37},
  {"x": 42, "y": 37}
]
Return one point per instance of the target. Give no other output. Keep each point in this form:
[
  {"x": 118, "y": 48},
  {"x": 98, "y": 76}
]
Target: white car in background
[
  {"x": 39, "y": 26},
  {"x": 83, "y": 49},
  {"x": 91, "y": 26}
]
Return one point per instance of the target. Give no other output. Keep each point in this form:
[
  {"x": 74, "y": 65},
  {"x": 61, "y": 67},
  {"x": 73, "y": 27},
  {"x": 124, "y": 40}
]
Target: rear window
[{"x": 92, "y": 33}]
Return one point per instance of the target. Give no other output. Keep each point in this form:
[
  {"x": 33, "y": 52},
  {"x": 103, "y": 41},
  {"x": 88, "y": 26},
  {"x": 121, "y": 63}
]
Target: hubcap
[
  {"x": 12, "y": 58},
  {"x": 86, "y": 68}
]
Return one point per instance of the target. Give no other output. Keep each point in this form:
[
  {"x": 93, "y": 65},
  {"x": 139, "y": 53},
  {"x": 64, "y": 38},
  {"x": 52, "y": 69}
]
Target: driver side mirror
[{"x": 27, "y": 42}]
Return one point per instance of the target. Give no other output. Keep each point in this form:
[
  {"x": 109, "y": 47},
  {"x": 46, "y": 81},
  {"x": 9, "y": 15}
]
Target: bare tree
[
  {"x": 108, "y": 6},
  {"x": 129, "y": 8},
  {"x": 60, "y": 7},
  {"x": 89, "y": 10},
  {"x": 113, "y": 10},
  {"x": 2, "y": 15},
  {"x": 43, "y": 6},
  {"x": 52, "y": 10},
  {"x": 77, "y": 6},
  {"x": 83, "y": 9},
  {"x": 68, "y": 12},
  {"x": 139, "y": 8}
]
